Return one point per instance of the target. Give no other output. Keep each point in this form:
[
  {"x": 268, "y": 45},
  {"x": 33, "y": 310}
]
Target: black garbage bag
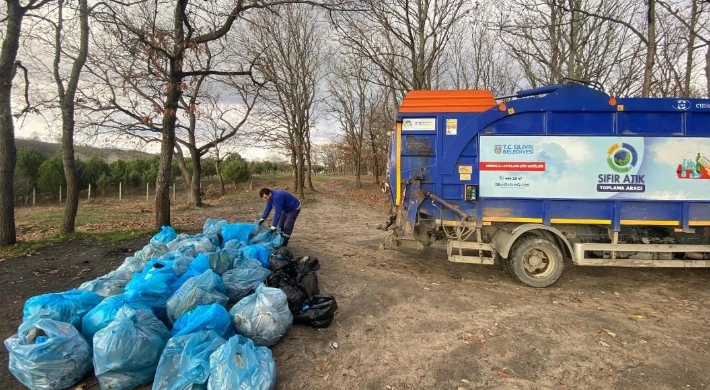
[
  {"x": 280, "y": 257},
  {"x": 285, "y": 278},
  {"x": 298, "y": 280},
  {"x": 317, "y": 312},
  {"x": 283, "y": 252},
  {"x": 306, "y": 277}
]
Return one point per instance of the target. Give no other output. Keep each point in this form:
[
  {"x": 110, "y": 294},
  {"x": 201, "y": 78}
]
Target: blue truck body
[{"x": 554, "y": 163}]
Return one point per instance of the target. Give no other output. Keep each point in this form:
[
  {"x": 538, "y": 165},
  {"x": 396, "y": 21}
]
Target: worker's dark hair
[{"x": 264, "y": 191}]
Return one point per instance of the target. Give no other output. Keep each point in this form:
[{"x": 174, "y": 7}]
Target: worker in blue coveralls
[{"x": 286, "y": 210}]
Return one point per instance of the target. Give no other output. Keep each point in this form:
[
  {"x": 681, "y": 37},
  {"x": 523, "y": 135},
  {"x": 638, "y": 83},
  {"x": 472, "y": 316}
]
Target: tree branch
[{"x": 28, "y": 107}]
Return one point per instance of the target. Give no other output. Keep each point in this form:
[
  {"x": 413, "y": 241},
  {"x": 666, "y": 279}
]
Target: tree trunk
[
  {"x": 162, "y": 181},
  {"x": 308, "y": 161},
  {"x": 309, "y": 171},
  {"x": 67, "y": 103},
  {"x": 8, "y": 152},
  {"x": 376, "y": 164},
  {"x": 650, "y": 50},
  {"x": 294, "y": 164},
  {"x": 72, "y": 201},
  {"x": 690, "y": 52},
  {"x": 299, "y": 164},
  {"x": 707, "y": 71},
  {"x": 358, "y": 182},
  {"x": 195, "y": 187},
  {"x": 219, "y": 174},
  {"x": 186, "y": 176}
]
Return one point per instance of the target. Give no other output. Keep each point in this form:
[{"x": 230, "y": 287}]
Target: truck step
[
  {"x": 470, "y": 252},
  {"x": 471, "y": 259},
  {"x": 645, "y": 263},
  {"x": 612, "y": 254}
]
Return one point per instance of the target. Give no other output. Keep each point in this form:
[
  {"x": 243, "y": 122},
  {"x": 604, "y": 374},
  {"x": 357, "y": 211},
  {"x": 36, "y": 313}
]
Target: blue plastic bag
[
  {"x": 48, "y": 354},
  {"x": 185, "y": 362},
  {"x": 172, "y": 245},
  {"x": 263, "y": 316},
  {"x": 241, "y": 262},
  {"x": 199, "y": 290},
  {"x": 239, "y": 365},
  {"x": 70, "y": 306},
  {"x": 152, "y": 250},
  {"x": 132, "y": 264},
  {"x": 238, "y": 231},
  {"x": 180, "y": 262},
  {"x": 102, "y": 315},
  {"x": 205, "y": 317},
  {"x": 186, "y": 248},
  {"x": 220, "y": 261},
  {"x": 257, "y": 252},
  {"x": 165, "y": 235},
  {"x": 242, "y": 282},
  {"x": 197, "y": 266},
  {"x": 127, "y": 351},
  {"x": 232, "y": 244},
  {"x": 213, "y": 226},
  {"x": 155, "y": 285},
  {"x": 266, "y": 237},
  {"x": 110, "y": 284}
]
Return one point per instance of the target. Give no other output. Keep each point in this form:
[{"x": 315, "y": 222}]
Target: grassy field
[{"x": 108, "y": 218}]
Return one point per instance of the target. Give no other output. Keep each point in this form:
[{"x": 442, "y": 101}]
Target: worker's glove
[
  {"x": 261, "y": 221},
  {"x": 272, "y": 228}
]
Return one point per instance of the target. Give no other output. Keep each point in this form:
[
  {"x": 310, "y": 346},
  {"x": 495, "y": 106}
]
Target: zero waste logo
[{"x": 621, "y": 157}]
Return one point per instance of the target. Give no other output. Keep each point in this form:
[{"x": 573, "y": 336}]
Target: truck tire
[
  {"x": 505, "y": 265},
  {"x": 536, "y": 261}
]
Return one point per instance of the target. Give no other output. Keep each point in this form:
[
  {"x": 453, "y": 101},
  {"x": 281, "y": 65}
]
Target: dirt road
[{"x": 415, "y": 321}]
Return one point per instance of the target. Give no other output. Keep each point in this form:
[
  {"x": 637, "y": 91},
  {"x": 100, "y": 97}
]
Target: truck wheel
[
  {"x": 536, "y": 261},
  {"x": 505, "y": 264}
]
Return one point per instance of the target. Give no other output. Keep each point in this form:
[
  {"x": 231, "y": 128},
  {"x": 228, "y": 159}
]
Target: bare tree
[
  {"x": 210, "y": 124},
  {"x": 159, "y": 38},
  {"x": 381, "y": 124},
  {"x": 405, "y": 39},
  {"x": 552, "y": 40},
  {"x": 476, "y": 58},
  {"x": 8, "y": 153},
  {"x": 355, "y": 101},
  {"x": 67, "y": 96},
  {"x": 292, "y": 44},
  {"x": 695, "y": 35}
]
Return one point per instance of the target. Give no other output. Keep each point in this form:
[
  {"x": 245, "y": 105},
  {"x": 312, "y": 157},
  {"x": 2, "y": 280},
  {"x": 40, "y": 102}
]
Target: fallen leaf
[
  {"x": 502, "y": 374},
  {"x": 321, "y": 367},
  {"x": 603, "y": 343},
  {"x": 609, "y": 332}
]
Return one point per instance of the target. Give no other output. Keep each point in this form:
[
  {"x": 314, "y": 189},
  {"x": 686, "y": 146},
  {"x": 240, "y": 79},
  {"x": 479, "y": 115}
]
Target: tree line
[
  {"x": 203, "y": 79},
  {"x": 36, "y": 171}
]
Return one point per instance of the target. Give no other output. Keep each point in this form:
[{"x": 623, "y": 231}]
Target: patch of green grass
[
  {"x": 24, "y": 247},
  {"x": 88, "y": 213}
]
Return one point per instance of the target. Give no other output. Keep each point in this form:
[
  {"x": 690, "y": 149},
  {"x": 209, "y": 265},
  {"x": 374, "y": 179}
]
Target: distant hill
[{"x": 83, "y": 152}]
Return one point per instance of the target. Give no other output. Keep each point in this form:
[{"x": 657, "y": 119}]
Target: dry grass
[{"x": 104, "y": 215}]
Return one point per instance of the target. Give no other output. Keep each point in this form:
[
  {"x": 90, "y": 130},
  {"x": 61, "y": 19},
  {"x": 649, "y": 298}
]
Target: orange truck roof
[{"x": 447, "y": 101}]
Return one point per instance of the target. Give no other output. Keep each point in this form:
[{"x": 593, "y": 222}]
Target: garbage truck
[{"x": 550, "y": 176}]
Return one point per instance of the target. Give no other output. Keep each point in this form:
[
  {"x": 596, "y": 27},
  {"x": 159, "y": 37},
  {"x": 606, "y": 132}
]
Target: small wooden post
[
  {"x": 34, "y": 197},
  {"x": 119, "y": 190},
  {"x": 89, "y": 197},
  {"x": 174, "y": 186},
  {"x": 60, "y": 194},
  {"x": 147, "y": 191}
]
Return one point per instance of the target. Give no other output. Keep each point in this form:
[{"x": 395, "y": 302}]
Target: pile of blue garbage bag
[{"x": 186, "y": 311}]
